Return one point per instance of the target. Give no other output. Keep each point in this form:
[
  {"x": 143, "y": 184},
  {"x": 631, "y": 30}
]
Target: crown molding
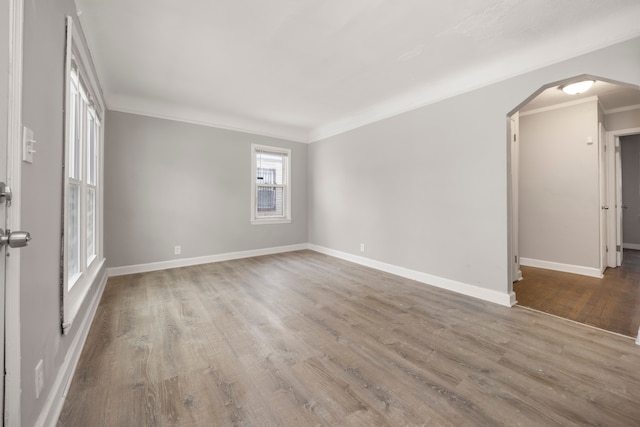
[
  {"x": 132, "y": 105},
  {"x": 622, "y": 29},
  {"x": 622, "y": 109},
  {"x": 588, "y": 38}
]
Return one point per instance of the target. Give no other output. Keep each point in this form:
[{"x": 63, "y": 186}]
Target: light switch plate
[{"x": 28, "y": 145}]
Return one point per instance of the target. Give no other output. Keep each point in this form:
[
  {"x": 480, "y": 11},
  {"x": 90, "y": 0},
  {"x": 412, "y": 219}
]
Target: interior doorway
[
  {"x": 617, "y": 106},
  {"x": 625, "y": 191}
]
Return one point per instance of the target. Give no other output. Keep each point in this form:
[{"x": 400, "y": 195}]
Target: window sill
[
  {"x": 270, "y": 221},
  {"x": 73, "y": 280},
  {"x": 74, "y": 298}
]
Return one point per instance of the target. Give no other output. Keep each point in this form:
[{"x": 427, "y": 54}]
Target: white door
[
  {"x": 4, "y": 120},
  {"x": 11, "y": 19},
  {"x": 604, "y": 211}
]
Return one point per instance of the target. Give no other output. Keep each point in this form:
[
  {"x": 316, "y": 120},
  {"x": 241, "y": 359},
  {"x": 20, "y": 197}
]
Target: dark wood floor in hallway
[
  {"x": 611, "y": 303},
  {"x": 303, "y": 339}
]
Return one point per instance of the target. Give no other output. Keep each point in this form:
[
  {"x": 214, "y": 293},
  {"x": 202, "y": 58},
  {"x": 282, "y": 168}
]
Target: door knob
[{"x": 15, "y": 239}]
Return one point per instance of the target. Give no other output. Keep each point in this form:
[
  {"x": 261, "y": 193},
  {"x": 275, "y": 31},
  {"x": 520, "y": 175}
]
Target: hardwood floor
[
  {"x": 303, "y": 339},
  {"x": 611, "y": 303}
]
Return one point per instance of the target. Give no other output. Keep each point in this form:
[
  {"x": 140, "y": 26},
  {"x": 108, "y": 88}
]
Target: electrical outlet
[
  {"x": 177, "y": 250},
  {"x": 39, "y": 378},
  {"x": 361, "y": 247}
]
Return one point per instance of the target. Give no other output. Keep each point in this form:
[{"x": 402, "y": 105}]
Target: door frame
[
  {"x": 12, "y": 409},
  {"x": 613, "y": 193},
  {"x": 514, "y": 173},
  {"x": 603, "y": 179}
]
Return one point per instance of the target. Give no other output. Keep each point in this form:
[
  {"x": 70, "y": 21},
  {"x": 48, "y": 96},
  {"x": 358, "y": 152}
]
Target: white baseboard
[
  {"x": 55, "y": 400},
  {"x": 505, "y": 299},
  {"x": 186, "y": 262},
  {"x": 634, "y": 246},
  {"x": 566, "y": 268}
]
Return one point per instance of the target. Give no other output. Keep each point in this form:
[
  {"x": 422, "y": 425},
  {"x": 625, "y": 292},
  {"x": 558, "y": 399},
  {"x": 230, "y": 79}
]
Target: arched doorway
[{"x": 562, "y": 196}]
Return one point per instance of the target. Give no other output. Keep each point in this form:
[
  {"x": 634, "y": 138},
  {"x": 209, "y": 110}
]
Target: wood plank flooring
[
  {"x": 302, "y": 339},
  {"x": 611, "y": 303}
]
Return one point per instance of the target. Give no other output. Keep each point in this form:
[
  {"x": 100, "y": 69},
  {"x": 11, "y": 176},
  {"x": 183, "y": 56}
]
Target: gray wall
[
  {"x": 43, "y": 90},
  {"x": 427, "y": 189},
  {"x": 630, "y": 154},
  {"x": 171, "y": 183},
  {"x": 559, "y": 186}
]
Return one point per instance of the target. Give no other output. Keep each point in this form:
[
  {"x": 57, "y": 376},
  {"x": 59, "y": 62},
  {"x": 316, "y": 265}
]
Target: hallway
[{"x": 611, "y": 303}]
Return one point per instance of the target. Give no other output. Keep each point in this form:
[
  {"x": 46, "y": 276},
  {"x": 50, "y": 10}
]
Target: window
[
  {"x": 81, "y": 180},
  {"x": 82, "y": 258},
  {"x": 271, "y": 190}
]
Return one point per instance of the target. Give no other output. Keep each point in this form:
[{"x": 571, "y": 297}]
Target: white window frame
[
  {"x": 80, "y": 72},
  {"x": 286, "y": 185}
]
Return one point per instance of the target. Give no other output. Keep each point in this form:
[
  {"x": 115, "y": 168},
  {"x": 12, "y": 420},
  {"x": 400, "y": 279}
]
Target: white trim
[
  {"x": 72, "y": 297},
  {"x": 634, "y": 246},
  {"x": 58, "y": 392},
  {"x": 87, "y": 67},
  {"x": 286, "y": 184},
  {"x": 12, "y": 415},
  {"x": 523, "y": 61},
  {"x": 267, "y": 221},
  {"x": 505, "y": 299},
  {"x": 76, "y": 304},
  {"x": 614, "y": 239},
  {"x": 618, "y": 29},
  {"x": 205, "y": 118},
  {"x": 186, "y": 262},
  {"x": 622, "y": 109},
  {"x": 559, "y": 106},
  {"x": 566, "y": 268}
]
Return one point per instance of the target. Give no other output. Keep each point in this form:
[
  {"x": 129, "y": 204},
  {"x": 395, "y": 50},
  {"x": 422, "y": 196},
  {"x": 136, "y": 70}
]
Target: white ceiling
[{"x": 308, "y": 69}]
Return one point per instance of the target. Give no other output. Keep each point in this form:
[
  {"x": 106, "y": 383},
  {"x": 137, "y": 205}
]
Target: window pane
[
  {"x": 91, "y": 224},
  {"x": 75, "y": 137},
  {"x": 73, "y": 233},
  {"x": 269, "y": 168},
  {"x": 270, "y": 202},
  {"x": 92, "y": 150},
  {"x": 266, "y": 176}
]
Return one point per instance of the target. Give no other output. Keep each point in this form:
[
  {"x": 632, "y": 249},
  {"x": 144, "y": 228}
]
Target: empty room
[{"x": 320, "y": 213}]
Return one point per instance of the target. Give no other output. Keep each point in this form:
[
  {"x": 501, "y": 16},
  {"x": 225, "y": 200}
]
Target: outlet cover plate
[{"x": 28, "y": 145}]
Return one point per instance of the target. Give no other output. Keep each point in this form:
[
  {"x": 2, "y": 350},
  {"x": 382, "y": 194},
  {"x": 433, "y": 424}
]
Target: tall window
[
  {"x": 82, "y": 259},
  {"x": 271, "y": 190},
  {"x": 82, "y": 179}
]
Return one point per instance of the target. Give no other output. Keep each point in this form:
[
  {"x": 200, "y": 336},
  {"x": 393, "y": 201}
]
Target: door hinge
[
  {"x": 514, "y": 137},
  {"x": 618, "y": 248},
  {"x": 606, "y": 248},
  {"x": 515, "y": 259}
]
